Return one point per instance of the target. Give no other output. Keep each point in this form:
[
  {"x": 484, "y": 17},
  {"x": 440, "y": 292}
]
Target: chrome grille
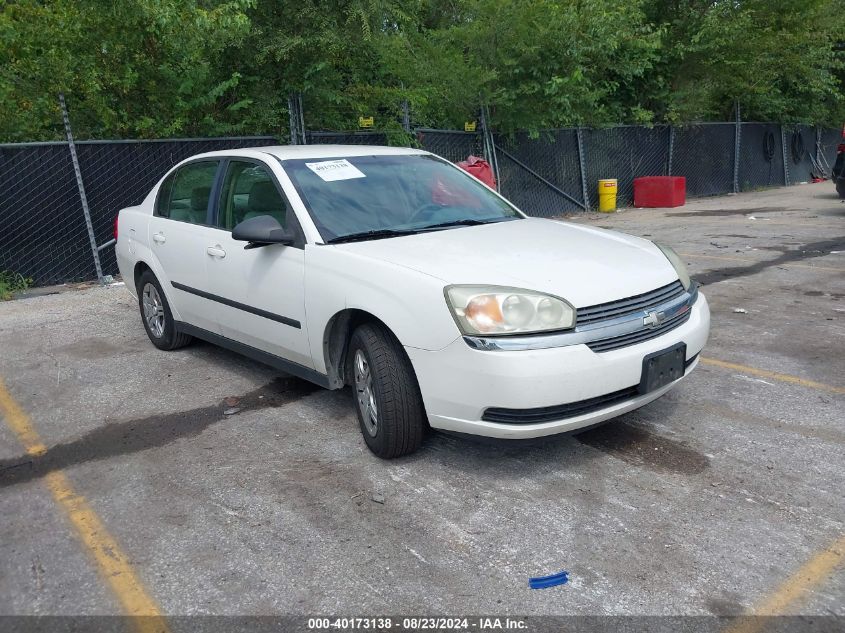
[
  {"x": 638, "y": 336},
  {"x": 631, "y": 305}
]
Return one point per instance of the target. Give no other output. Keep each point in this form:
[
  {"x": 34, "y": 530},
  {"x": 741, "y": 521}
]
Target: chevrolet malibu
[{"x": 396, "y": 273}]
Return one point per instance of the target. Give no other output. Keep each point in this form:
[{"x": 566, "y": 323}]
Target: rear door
[
  {"x": 179, "y": 232},
  {"x": 260, "y": 291}
]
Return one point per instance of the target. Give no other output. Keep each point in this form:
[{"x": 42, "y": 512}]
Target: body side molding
[{"x": 240, "y": 306}]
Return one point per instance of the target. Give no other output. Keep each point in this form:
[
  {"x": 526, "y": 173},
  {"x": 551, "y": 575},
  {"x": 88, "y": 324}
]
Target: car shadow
[{"x": 631, "y": 438}]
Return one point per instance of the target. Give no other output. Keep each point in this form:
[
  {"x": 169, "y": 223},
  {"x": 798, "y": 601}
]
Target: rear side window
[
  {"x": 185, "y": 194},
  {"x": 163, "y": 200}
]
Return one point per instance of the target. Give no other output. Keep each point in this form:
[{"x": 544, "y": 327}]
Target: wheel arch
[
  {"x": 336, "y": 336},
  {"x": 140, "y": 268}
]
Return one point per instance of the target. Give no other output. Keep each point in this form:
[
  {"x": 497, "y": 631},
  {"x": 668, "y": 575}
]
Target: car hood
[{"x": 581, "y": 264}]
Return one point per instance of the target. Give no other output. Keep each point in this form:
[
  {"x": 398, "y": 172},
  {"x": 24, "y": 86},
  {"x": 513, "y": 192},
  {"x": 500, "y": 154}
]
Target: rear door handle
[
  {"x": 216, "y": 251},
  {"x": 159, "y": 237}
]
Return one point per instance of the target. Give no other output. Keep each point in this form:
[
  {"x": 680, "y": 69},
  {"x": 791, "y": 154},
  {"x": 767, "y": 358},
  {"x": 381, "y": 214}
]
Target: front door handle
[
  {"x": 159, "y": 237},
  {"x": 216, "y": 251}
]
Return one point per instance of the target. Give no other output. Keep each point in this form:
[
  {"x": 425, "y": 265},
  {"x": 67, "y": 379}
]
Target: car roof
[{"x": 284, "y": 152}]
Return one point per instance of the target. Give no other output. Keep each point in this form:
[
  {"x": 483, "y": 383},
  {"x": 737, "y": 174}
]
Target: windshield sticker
[{"x": 331, "y": 170}]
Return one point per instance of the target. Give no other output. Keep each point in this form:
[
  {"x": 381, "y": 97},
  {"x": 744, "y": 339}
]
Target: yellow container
[{"x": 607, "y": 195}]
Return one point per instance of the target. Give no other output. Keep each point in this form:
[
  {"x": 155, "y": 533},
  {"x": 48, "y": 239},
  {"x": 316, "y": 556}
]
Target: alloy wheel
[
  {"x": 153, "y": 310},
  {"x": 365, "y": 394}
]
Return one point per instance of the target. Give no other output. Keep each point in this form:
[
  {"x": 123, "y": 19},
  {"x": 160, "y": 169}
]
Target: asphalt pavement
[{"x": 228, "y": 488}]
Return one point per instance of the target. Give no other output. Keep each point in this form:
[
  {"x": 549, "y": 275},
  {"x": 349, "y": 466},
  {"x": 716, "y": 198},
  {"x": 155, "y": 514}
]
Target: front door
[{"x": 261, "y": 291}]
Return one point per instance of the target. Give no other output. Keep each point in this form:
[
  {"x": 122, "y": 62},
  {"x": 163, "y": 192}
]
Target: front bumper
[{"x": 459, "y": 383}]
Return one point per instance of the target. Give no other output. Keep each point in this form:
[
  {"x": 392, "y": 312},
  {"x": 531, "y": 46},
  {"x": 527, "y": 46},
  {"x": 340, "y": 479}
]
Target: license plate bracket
[{"x": 661, "y": 368}]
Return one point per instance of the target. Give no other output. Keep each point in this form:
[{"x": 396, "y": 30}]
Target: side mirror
[{"x": 262, "y": 230}]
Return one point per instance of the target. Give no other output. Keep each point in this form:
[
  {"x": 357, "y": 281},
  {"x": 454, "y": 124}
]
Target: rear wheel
[
  {"x": 156, "y": 316},
  {"x": 386, "y": 394}
]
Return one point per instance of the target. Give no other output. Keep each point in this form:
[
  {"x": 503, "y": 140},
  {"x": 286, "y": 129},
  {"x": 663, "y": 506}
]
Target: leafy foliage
[
  {"x": 778, "y": 57},
  {"x": 160, "y": 68},
  {"x": 146, "y": 68},
  {"x": 12, "y": 282}
]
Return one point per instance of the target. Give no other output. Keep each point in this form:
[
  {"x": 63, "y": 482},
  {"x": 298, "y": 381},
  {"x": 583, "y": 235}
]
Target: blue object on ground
[{"x": 544, "y": 582}]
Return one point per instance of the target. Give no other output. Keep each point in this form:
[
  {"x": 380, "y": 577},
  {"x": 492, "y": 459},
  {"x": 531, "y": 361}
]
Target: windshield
[{"x": 384, "y": 196}]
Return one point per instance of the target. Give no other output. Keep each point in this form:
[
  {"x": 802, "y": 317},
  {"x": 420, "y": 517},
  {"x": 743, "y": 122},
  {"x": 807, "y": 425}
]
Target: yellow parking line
[
  {"x": 812, "y": 574},
  {"x": 764, "y": 373},
  {"x": 746, "y": 260},
  {"x": 18, "y": 421},
  {"x": 112, "y": 563}
]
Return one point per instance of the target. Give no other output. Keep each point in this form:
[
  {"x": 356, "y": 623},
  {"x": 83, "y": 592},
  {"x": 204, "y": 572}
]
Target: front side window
[
  {"x": 249, "y": 191},
  {"x": 363, "y": 195},
  {"x": 184, "y": 196}
]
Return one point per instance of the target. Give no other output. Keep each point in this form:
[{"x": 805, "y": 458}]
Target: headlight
[
  {"x": 678, "y": 263},
  {"x": 501, "y": 310}
]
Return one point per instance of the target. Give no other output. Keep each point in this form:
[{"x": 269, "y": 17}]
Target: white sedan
[{"x": 395, "y": 272}]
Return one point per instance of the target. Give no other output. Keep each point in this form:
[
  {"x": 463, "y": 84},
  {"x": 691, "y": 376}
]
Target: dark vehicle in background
[{"x": 838, "y": 173}]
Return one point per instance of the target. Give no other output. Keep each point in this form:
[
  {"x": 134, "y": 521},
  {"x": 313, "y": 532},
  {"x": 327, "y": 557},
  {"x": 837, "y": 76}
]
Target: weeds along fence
[{"x": 44, "y": 222}]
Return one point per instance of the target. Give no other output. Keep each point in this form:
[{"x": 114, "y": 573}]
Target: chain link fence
[
  {"x": 704, "y": 155},
  {"x": 829, "y": 141},
  {"x": 453, "y": 145},
  {"x": 801, "y": 145},
  {"x": 760, "y": 156},
  {"x": 346, "y": 138},
  {"x": 625, "y": 153},
  {"x": 43, "y": 233},
  {"x": 542, "y": 174},
  {"x": 42, "y": 229}
]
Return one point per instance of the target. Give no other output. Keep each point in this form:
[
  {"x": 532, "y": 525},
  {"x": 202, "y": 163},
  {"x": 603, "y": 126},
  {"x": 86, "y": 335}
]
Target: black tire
[
  {"x": 168, "y": 338},
  {"x": 400, "y": 420}
]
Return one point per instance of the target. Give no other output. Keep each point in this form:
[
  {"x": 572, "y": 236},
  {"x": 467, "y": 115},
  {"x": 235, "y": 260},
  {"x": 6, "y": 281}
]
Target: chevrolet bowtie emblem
[{"x": 654, "y": 319}]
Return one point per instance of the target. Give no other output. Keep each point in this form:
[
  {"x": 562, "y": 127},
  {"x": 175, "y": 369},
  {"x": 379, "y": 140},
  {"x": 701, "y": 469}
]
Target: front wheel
[
  {"x": 387, "y": 396},
  {"x": 156, "y": 316}
]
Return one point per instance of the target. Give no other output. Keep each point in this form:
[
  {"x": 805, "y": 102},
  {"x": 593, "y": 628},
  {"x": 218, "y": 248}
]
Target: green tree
[
  {"x": 325, "y": 49},
  {"x": 778, "y": 57},
  {"x": 538, "y": 63},
  {"x": 148, "y": 68},
  {"x": 159, "y": 68}
]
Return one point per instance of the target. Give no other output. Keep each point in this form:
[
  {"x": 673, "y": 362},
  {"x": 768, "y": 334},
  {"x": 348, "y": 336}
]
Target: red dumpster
[{"x": 660, "y": 191}]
